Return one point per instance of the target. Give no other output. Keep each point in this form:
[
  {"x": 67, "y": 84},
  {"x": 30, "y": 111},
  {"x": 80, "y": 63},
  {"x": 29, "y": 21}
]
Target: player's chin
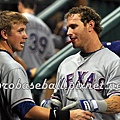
[
  {"x": 75, "y": 45},
  {"x": 19, "y": 49}
]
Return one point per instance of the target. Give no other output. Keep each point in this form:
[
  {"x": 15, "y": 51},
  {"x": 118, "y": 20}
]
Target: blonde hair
[{"x": 9, "y": 18}]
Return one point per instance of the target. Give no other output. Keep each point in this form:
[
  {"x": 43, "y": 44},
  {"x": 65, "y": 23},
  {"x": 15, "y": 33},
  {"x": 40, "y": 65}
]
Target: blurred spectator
[{"x": 114, "y": 46}]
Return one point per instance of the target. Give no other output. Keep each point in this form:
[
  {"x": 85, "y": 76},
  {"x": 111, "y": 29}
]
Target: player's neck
[
  {"x": 4, "y": 46},
  {"x": 85, "y": 54},
  {"x": 92, "y": 47}
]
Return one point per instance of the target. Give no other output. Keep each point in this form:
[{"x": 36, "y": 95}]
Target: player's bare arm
[
  {"x": 41, "y": 113},
  {"x": 38, "y": 113},
  {"x": 113, "y": 104}
]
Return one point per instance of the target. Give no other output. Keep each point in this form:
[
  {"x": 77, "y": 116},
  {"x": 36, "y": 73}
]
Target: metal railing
[{"x": 53, "y": 8}]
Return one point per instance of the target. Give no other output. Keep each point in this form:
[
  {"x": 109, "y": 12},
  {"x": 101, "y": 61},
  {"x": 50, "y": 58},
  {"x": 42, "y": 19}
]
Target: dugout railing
[
  {"x": 53, "y": 8},
  {"x": 46, "y": 70}
]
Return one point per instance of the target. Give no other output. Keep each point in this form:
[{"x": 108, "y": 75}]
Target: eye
[
  {"x": 73, "y": 26},
  {"x": 20, "y": 30}
]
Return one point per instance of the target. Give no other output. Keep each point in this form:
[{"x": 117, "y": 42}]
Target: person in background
[
  {"x": 113, "y": 46},
  {"x": 16, "y": 100},
  {"x": 39, "y": 46},
  {"x": 89, "y": 79}
]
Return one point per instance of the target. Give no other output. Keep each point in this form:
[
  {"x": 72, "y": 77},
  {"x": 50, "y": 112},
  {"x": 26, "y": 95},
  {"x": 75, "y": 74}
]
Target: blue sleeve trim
[{"x": 22, "y": 108}]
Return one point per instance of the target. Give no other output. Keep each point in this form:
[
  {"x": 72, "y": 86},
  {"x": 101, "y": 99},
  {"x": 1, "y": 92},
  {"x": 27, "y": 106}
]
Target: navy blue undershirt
[{"x": 22, "y": 108}]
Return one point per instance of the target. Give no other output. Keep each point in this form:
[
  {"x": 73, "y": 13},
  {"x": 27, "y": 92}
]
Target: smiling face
[
  {"x": 12, "y": 31},
  {"x": 17, "y": 38},
  {"x": 77, "y": 31}
]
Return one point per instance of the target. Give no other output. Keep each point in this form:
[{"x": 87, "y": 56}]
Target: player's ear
[
  {"x": 91, "y": 25},
  {"x": 4, "y": 34}
]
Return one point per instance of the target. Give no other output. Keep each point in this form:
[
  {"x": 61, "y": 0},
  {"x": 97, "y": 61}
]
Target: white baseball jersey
[
  {"x": 39, "y": 45},
  {"x": 13, "y": 86},
  {"x": 96, "y": 76}
]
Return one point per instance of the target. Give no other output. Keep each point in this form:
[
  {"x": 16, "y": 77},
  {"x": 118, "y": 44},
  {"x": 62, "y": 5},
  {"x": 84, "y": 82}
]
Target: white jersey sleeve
[{"x": 14, "y": 85}]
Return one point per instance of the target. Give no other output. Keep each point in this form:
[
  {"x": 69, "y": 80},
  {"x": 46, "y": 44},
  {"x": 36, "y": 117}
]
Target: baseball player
[
  {"x": 16, "y": 100},
  {"x": 90, "y": 79},
  {"x": 39, "y": 45}
]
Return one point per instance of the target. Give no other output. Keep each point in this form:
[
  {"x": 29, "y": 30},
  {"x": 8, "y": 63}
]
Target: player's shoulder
[
  {"x": 8, "y": 61},
  {"x": 28, "y": 15},
  {"x": 13, "y": 65},
  {"x": 109, "y": 57},
  {"x": 37, "y": 24},
  {"x": 34, "y": 18},
  {"x": 108, "y": 52}
]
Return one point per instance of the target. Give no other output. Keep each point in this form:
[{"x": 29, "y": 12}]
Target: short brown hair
[{"x": 86, "y": 13}]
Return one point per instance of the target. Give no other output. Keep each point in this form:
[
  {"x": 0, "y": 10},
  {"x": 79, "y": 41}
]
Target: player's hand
[
  {"x": 79, "y": 114},
  {"x": 51, "y": 103},
  {"x": 33, "y": 72}
]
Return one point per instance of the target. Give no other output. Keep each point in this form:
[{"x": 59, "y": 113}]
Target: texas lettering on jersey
[{"x": 83, "y": 80}]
